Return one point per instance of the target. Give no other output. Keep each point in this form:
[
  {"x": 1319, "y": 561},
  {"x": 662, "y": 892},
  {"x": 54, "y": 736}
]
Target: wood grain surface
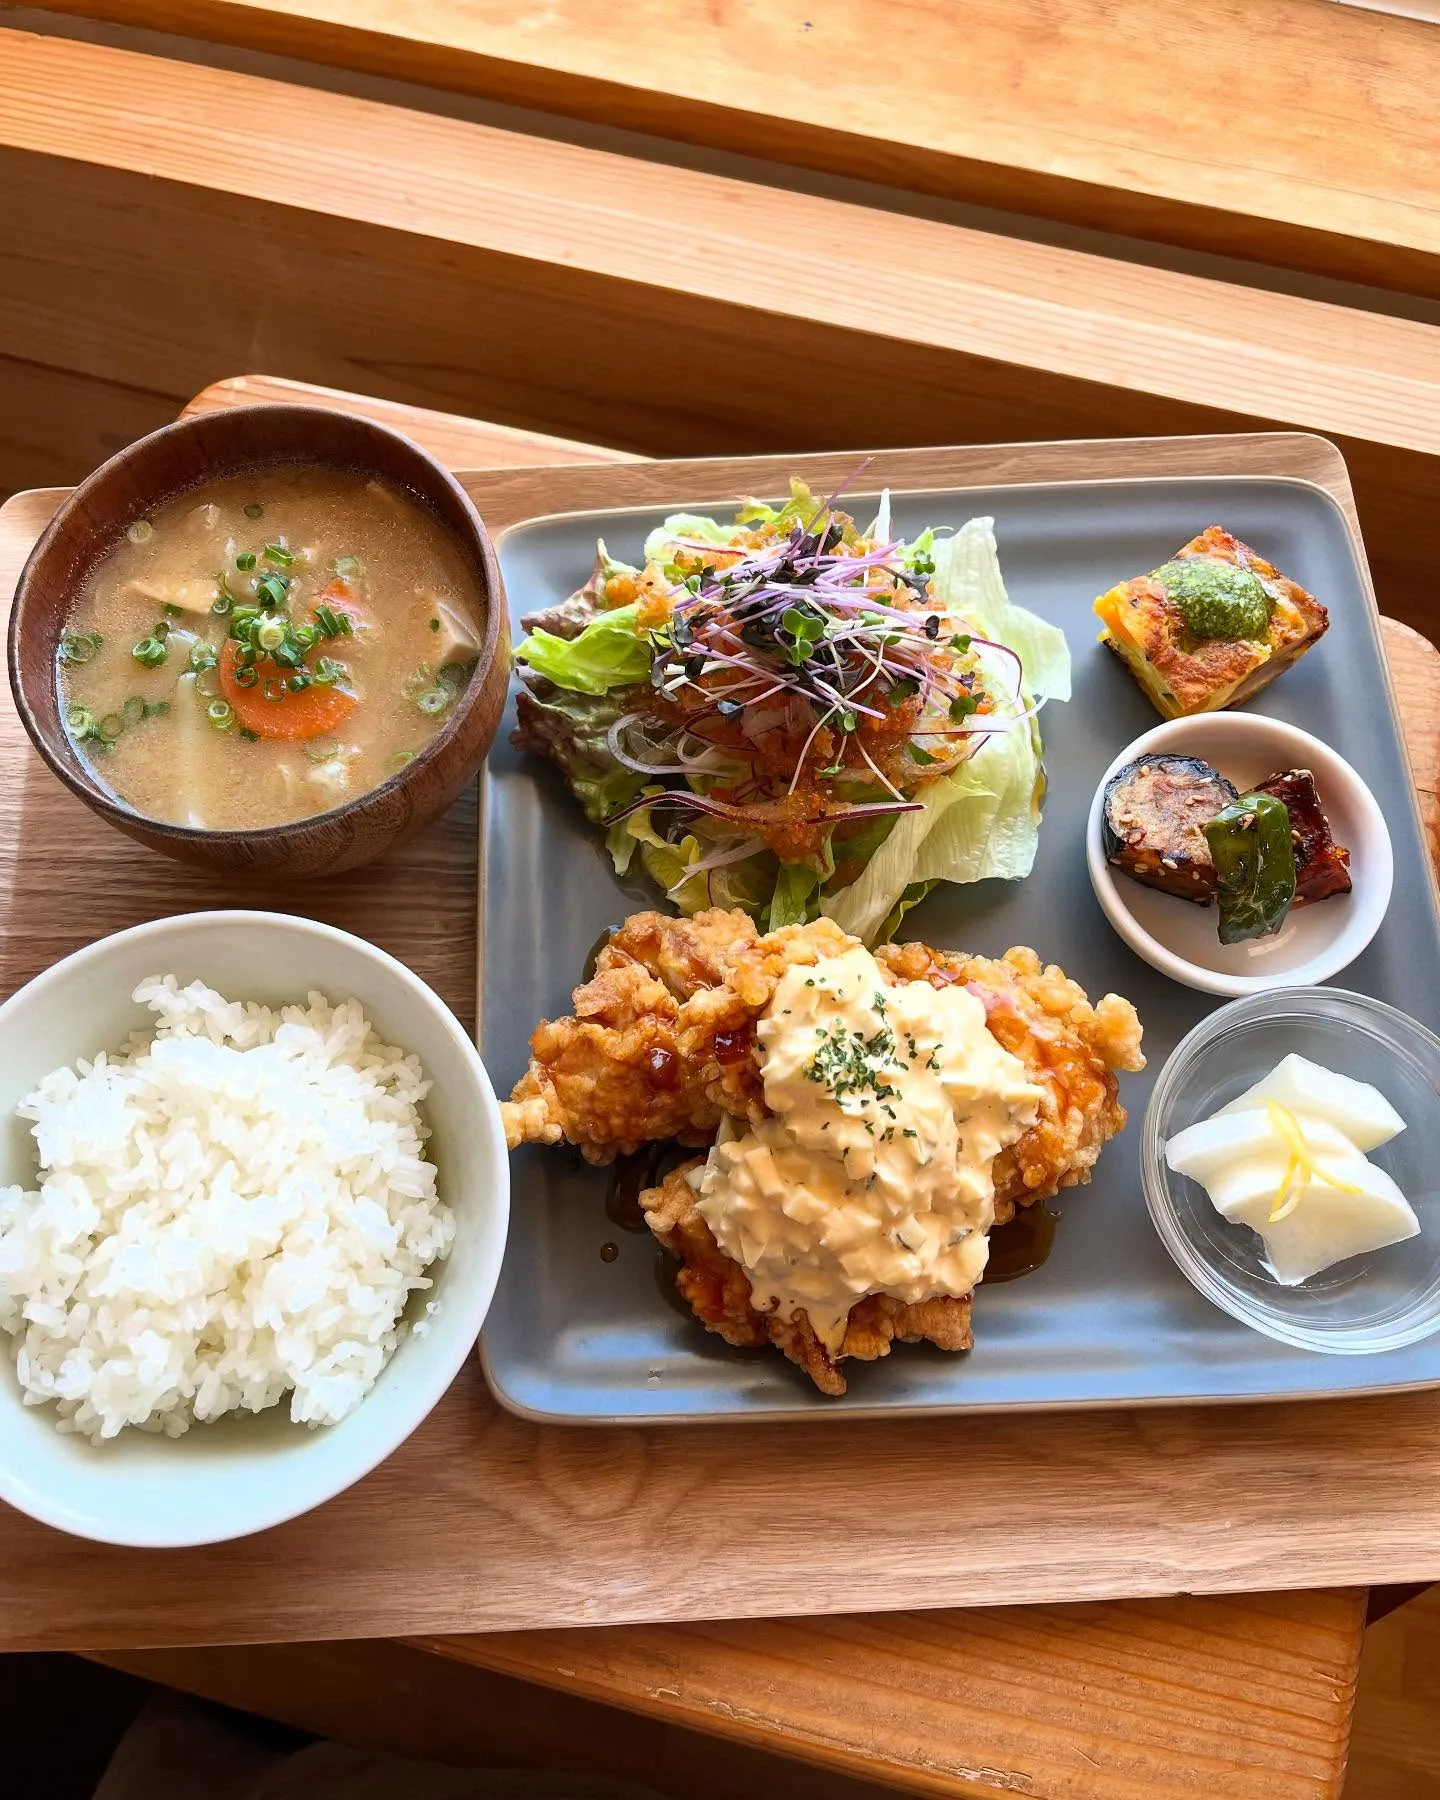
[
  {"x": 559, "y": 288},
  {"x": 1395, "y": 1743},
  {"x": 459, "y": 443},
  {"x": 1291, "y": 132},
  {"x": 485, "y": 1522},
  {"x": 394, "y": 1698},
  {"x": 1241, "y": 1698}
]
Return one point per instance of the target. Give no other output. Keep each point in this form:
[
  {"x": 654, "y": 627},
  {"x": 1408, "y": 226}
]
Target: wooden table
[
  {"x": 1238, "y": 1696},
  {"x": 1292, "y": 132}
]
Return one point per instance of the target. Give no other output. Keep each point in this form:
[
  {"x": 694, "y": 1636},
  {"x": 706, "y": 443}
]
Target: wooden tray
[{"x": 485, "y": 1522}]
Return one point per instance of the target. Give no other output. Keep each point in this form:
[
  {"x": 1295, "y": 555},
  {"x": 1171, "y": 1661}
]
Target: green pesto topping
[{"x": 1218, "y": 599}]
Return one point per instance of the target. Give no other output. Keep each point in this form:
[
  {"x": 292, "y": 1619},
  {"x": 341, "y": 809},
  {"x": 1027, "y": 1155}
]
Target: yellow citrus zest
[{"x": 1287, "y": 1195}]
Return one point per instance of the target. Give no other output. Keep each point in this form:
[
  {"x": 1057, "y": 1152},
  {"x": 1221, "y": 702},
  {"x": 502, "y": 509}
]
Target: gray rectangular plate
[{"x": 1108, "y": 1320}]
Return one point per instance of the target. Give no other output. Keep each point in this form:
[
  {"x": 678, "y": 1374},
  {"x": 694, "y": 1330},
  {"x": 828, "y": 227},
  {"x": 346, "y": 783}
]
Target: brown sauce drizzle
[
  {"x": 1021, "y": 1246},
  {"x": 592, "y": 955},
  {"x": 631, "y": 1175},
  {"x": 733, "y": 1046}
]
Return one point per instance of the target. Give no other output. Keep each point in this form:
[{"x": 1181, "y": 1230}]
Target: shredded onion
[{"x": 757, "y": 815}]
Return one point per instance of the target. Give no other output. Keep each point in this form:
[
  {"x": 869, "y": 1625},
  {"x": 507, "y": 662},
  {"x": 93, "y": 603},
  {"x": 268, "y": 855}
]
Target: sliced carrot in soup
[
  {"x": 309, "y": 714},
  {"x": 339, "y": 596}
]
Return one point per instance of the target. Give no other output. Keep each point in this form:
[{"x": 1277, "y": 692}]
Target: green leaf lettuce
[{"x": 981, "y": 823}]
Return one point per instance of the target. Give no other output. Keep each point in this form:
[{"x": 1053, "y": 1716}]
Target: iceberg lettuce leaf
[
  {"x": 983, "y": 821},
  {"x": 967, "y": 578},
  {"x": 688, "y": 525},
  {"x": 612, "y": 651}
]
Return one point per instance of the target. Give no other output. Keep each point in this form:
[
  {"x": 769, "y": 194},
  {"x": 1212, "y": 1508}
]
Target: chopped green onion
[
  {"x": 245, "y": 561},
  {"x": 348, "y": 568},
  {"x": 254, "y": 510},
  {"x": 246, "y": 676},
  {"x": 270, "y": 635},
  {"x": 320, "y": 750},
  {"x": 202, "y": 656},
  {"x": 454, "y": 675},
  {"x": 250, "y": 737},
  {"x": 434, "y": 624},
  {"x": 158, "y": 710},
  {"x": 418, "y": 681},
  {"x": 79, "y": 646},
  {"x": 221, "y": 714},
  {"x": 277, "y": 553},
  {"x": 271, "y": 589},
  {"x": 139, "y": 531},
  {"x": 207, "y": 682},
  {"x": 274, "y": 688},
  {"x": 306, "y": 637},
  {"x": 434, "y": 701},
  {"x": 330, "y": 624},
  {"x": 111, "y": 726},
  {"x": 224, "y": 600},
  {"x": 399, "y": 760},
  {"x": 133, "y": 711},
  {"x": 162, "y": 628},
  {"x": 150, "y": 651},
  {"x": 81, "y": 720},
  {"x": 327, "y": 671},
  {"x": 173, "y": 612}
]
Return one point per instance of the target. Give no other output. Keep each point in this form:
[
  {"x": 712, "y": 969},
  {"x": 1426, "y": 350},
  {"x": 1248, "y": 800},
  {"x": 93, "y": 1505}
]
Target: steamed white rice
[{"x": 235, "y": 1208}]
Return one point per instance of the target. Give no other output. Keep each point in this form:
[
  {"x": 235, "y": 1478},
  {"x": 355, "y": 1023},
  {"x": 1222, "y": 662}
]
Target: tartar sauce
[{"x": 873, "y": 1176}]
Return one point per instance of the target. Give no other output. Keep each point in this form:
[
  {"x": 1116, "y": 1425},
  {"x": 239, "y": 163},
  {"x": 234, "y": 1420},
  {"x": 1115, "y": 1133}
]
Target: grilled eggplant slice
[
  {"x": 1153, "y": 823},
  {"x": 1322, "y": 867}
]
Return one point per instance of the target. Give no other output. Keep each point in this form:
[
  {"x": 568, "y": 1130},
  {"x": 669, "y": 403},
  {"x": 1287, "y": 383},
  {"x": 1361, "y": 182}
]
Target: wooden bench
[
  {"x": 1290, "y": 132},
  {"x": 168, "y": 223}
]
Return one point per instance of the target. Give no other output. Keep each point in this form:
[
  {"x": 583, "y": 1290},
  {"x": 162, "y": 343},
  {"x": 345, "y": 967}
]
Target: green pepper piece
[{"x": 1255, "y": 862}]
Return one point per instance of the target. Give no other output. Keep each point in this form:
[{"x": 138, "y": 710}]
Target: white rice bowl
[
  {"x": 245, "y": 1471},
  {"x": 234, "y": 1209}
]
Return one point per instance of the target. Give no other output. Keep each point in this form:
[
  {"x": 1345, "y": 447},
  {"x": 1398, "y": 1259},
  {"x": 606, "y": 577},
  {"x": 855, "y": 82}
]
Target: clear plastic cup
[{"x": 1378, "y": 1301}]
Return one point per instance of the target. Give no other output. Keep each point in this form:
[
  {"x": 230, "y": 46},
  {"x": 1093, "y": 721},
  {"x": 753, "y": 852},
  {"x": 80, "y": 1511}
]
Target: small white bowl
[
  {"x": 1315, "y": 942},
  {"x": 244, "y": 1474}
]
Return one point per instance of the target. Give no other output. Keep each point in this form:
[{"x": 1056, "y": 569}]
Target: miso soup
[{"x": 267, "y": 646}]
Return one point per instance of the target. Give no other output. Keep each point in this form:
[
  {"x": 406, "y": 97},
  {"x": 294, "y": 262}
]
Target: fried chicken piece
[
  {"x": 717, "y": 1291},
  {"x": 662, "y": 1037},
  {"x": 663, "y": 1043},
  {"x": 1071, "y": 1048}
]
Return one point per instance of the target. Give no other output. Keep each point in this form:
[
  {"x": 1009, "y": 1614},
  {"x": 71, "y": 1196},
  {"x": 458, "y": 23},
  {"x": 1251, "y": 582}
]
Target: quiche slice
[{"x": 1211, "y": 627}]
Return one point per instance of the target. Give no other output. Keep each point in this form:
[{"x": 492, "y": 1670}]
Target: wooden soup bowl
[{"x": 131, "y": 486}]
